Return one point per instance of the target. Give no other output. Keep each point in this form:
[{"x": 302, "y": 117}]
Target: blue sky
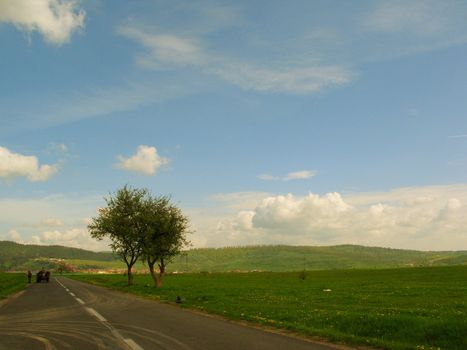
[{"x": 306, "y": 122}]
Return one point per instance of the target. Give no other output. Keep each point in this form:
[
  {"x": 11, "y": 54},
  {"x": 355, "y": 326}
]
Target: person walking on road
[{"x": 29, "y": 276}]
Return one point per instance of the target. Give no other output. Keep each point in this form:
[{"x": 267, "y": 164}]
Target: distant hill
[
  {"x": 14, "y": 256},
  {"x": 295, "y": 258}
]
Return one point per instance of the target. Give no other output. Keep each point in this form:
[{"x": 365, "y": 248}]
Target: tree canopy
[
  {"x": 140, "y": 225},
  {"x": 122, "y": 221},
  {"x": 166, "y": 235}
]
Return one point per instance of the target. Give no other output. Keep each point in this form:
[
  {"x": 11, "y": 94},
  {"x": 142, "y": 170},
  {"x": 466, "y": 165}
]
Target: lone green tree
[
  {"x": 123, "y": 222},
  {"x": 165, "y": 237}
]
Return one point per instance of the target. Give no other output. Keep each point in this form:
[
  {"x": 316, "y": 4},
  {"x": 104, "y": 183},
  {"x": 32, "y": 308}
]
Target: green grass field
[
  {"x": 11, "y": 283},
  {"x": 409, "y": 308}
]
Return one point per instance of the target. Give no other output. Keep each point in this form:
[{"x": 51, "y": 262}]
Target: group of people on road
[{"x": 42, "y": 275}]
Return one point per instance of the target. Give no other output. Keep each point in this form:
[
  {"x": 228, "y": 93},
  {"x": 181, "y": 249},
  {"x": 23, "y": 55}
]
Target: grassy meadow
[
  {"x": 406, "y": 308},
  {"x": 11, "y": 283}
]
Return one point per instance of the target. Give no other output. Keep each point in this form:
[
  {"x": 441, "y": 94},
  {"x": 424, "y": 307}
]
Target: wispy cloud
[
  {"x": 268, "y": 177},
  {"x": 165, "y": 49},
  {"x": 295, "y": 80},
  {"x": 297, "y": 175},
  {"x": 418, "y": 17},
  {"x": 457, "y": 136},
  {"x": 300, "y": 175},
  {"x": 56, "y": 20},
  {"x": 372, "y": 33},
  {"x": 427, "y": 25},
  {"x": 44, "y": 111},
  {"x": 169, "y": 51}
]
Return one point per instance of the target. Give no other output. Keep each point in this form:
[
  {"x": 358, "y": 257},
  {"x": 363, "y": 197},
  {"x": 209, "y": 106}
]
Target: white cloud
[
  {"x": 31, "y": 216},
  {"x": 15, "y": 165},
  {"x": 56, "y": 20},
  {"x": 37, "y": 220},
  {"x": 316, "y": 58},
  {"x": 268, "y": 177},
  {"x": 298, "y": 214},
  {"x": 93, "y": 102},
  {"x": 426, "y": 218},
  {"x": 240, "y": 200},
  {"x": 146, "y": 161},
  {"x": 167, "y": 51},
  {"x": 57, "y": 149},
  {"x": 422, "y": 17},
  {"x": 14, "y": 236},
  {"x": 457, "y": 136},
  {"x": 297, "y": 175},
  {"x": 32, "y": 212},
  {"x": 75, "y": 237},
  {"x": 295, "y": 80},
  {"x": 51, "y": 222},
  {"x": 400, "y": 28}
]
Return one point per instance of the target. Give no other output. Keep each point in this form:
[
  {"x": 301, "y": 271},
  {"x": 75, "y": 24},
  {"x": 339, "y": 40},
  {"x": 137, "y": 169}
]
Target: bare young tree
[{"x": 124, "y": 223}]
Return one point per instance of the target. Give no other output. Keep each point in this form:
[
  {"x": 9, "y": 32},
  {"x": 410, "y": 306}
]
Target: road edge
[
  {"x": 12, "y": 296},
  {"x": 284, "y": 332}
]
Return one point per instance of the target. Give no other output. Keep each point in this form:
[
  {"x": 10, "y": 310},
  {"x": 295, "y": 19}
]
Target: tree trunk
[
  {"x": 157, "y": 278},
  {"x": 161, "y": 273},
  {"x": 130, "y": 276},
  {"x": 154, "y": 276}
]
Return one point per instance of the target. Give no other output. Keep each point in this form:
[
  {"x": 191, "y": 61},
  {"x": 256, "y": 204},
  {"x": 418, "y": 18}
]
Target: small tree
[
  {"x": 166, "y": 235},
  {"x": 123, "y": 222}
]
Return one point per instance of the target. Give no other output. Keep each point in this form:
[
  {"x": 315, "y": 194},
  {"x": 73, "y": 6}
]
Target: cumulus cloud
[
  {"x": 74, "y": 237},
  {"x": 297, "y": 175},
  {"x": 427, "y": 218},
  {"x": 145, "y": 161},
  {"x": 55, "y": 20},
  {"x": 298, "y": 214},
  {"x": 55, "y": 219},
  {"x": 239, "y": 200},
  {"x": 51, "y": 222},
  {"x": 14, "y": 236},
  {"x": 17, "y": 165}
]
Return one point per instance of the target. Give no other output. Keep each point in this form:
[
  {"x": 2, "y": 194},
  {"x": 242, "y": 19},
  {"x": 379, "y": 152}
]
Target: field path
[{"x": 67, "y": 314}]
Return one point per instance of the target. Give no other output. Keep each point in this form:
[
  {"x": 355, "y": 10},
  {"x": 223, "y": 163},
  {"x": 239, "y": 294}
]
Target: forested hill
[
  {"x": 294, "y": 258},
  {"x": 14, "y": 254}
]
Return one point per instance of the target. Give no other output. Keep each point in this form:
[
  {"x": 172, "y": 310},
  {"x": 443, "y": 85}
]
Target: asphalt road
[{"x": 67, "y": 314}]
